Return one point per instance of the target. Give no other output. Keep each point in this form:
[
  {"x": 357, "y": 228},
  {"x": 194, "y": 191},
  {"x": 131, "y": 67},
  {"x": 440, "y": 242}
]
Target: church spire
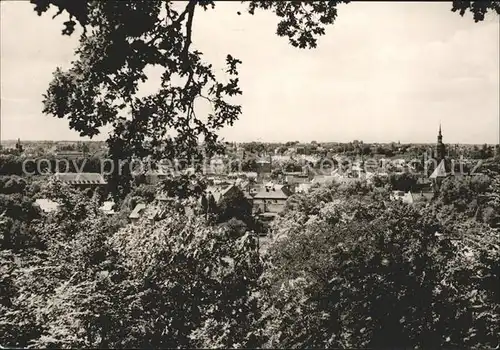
[
  {"x": 440, "y": 148},
  {"x": 440, "y": 135}
]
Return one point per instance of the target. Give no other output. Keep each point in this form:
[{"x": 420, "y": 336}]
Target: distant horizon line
[{"x": 273, "y": 142}]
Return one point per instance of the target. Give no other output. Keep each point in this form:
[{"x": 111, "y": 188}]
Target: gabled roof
[
  {"x": 219, "y": 192},
  {"x": 440, "y": 171},
  {"x": 81, "y": 178},
  {"x": 227, "y": 189}
]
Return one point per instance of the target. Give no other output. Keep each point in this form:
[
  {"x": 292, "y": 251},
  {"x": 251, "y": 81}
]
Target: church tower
[
  {"x": 442, "y": 169},
  {"x": 440, "y": 147}
]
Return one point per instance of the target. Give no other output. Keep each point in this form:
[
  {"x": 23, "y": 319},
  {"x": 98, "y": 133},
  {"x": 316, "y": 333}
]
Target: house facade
[{"x": 271, "y": 199}]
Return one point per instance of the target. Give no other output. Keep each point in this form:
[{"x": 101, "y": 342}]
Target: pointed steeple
[
  {"x": 440, "y": 135},
  {"x": 440, "y": 147}
]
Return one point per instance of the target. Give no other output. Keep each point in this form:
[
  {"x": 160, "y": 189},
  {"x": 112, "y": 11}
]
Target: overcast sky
[{"x": 383, "y": 72}]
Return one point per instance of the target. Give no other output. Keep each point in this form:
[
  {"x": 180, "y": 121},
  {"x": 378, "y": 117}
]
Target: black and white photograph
[{"x": 249, "y": 174}]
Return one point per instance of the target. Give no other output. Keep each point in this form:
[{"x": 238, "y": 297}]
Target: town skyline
[{"x": 259, "y": 140}]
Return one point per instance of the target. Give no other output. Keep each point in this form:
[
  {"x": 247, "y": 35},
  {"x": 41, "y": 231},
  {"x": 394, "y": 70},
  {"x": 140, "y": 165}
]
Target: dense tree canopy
[
  {"x": 346, "y": 267},
  {"x": 375, "y": 274},
  {"x": 93, "y": 283}
]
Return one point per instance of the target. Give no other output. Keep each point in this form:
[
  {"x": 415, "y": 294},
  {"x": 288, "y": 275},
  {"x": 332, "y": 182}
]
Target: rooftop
[
  {"x": 137, "y": 212},
  {"x": 46, "y": 205},
  {"x": 219, "y": 192},
  {"x": 107, "y": 207},
  {"x": 276, "y": 192},
  {"x": 81, "y": 178}
]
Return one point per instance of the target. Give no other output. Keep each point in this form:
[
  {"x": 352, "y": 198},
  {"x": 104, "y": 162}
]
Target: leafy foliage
[
  {"x": 102, "y": 86},
  {"x": 17, "y": 215},
  {"x": 45, "y": 307},
  {"x": 98, "y": 284},
  {"x": 359, "y": 274},
  {"x": 478, "y": 8},
  {"x": 403, "y": 182},
  {"x": 195, "y": 283},
  {"x": 466, "y": 197},
  {"x": 235, "y": 205}
]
